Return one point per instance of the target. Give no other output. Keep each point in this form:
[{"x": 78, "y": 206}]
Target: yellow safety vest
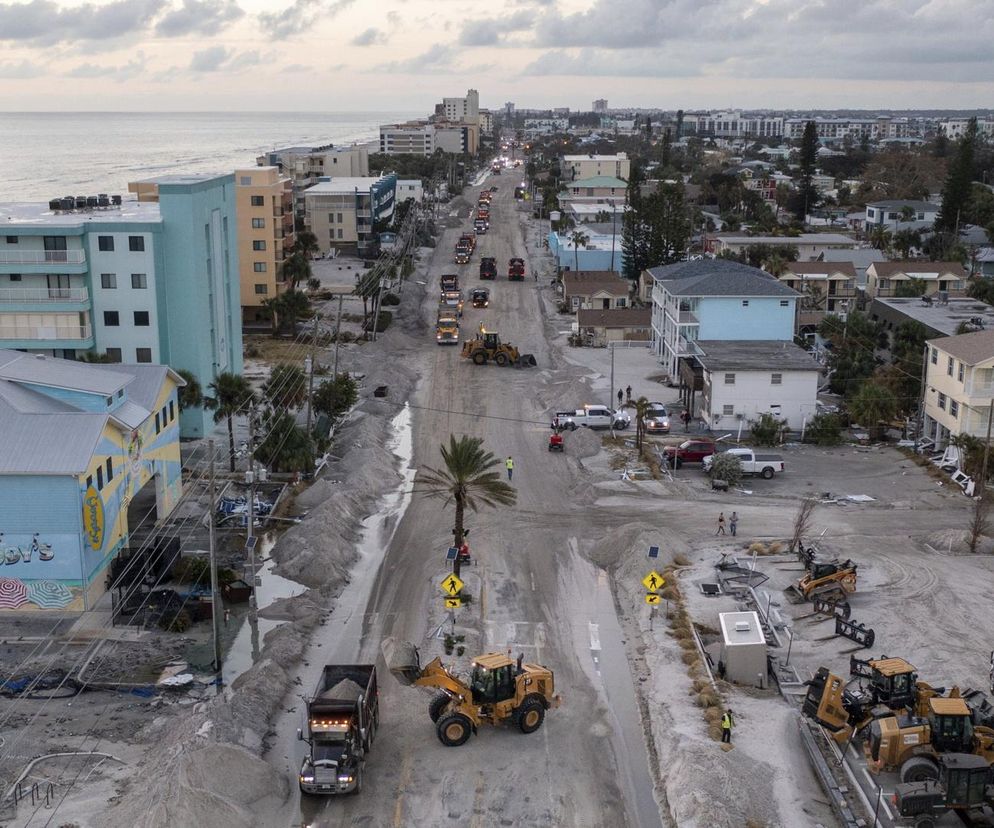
[
  {"x": 726, "y": 722},
  {"x": 510, "y": 463}
]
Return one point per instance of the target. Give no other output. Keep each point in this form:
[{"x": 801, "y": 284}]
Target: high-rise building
[
  {"x": 465, "y": 109},
  {"x": 600, "y": 106},
  {"x": 411, "y": 138},
  {"x": 341, "y": 212},
  {"x": 509, "y": 109}
]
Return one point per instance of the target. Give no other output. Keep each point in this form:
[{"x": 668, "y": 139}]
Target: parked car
[
  {"x": 657, "y": 419},
  {"x": 752, "y": 463},
  {"x": 689, "y": 451}
]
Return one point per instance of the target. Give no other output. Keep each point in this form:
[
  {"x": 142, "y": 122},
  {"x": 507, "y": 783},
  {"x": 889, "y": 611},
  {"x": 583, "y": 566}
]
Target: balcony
[
  {"x": 985, "y": 390},
  {"x": 364, "y": 214},
  {"x": 32, "y": 296},
  {"x": 42, "y": 261},
  {"x": 46, "y": 336}
]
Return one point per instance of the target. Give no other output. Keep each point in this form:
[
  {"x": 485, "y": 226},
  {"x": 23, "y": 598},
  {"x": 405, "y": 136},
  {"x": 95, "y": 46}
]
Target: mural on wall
[
  {"x": 39, "y": 571},
  {"x": 93, "y": 519},
  {"x": 39, "y": 551}
]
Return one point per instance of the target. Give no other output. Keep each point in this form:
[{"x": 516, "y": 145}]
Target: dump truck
[
  {"x": 453, "y": 299},
  {"x": 447, "y": 331},
  {"x": 516, "y": 270},
  {"x": 498, "y": 691},
  {"x": 488, "y": 267},
  {"x": 449, "y": 281},
  {"x": 487, "y": 347},
  {"x": 342, "y": 717}
]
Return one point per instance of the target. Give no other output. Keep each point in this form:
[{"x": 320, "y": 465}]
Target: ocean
[{"x": 47, "y": 155}]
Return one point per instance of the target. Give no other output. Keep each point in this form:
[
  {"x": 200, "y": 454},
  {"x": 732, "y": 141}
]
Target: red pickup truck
[{"x": 689, "y": 451}]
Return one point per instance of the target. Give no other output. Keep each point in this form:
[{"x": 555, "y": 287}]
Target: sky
[{"x": 359, "y": 55}]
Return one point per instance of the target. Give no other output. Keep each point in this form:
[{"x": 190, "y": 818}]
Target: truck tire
[
  {"x": 437, "y": 706},
  {"x": 572, "y": 426},
  {"x": 925, "y": 822},
  {"x": 767, "y": 473},
  {"x": 919, "y": 769},
  {"x": 679, "y": 463},
  {"x": 454, "y": 729},
  {"x": 501, "y": 359},
  {"x": 530, "y": 715},
  {"x": 480, "y": 358},
  {"x": 358, "y": 782}
]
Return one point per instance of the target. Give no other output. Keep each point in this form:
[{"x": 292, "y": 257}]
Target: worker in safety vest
[
  {"x": 726, "y": 726},
  {"x": 510, "y": 467}
]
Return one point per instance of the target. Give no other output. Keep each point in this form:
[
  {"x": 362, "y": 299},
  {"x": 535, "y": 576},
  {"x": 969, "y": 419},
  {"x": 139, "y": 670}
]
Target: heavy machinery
[
  {"x": 488, "y": 267},
  {"x": 447, "y": 331},
  {"x": 449, "y": 281},
  {"x": 487, "y": 346},
  {"x": 965, "y": 787},
  {"x": 499, "y": 691},
  {"x": 516, "y": 270},
  {"x": 831, "y": 580}
]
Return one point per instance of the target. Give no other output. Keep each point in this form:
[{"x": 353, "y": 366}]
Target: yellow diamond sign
[
  {"x": 452, "y": 585},
  {"x": 652, "y": 598},
  {"x": 653, "y": 581}
]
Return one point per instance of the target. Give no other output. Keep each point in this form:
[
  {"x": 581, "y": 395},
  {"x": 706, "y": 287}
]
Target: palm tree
[
  {"x": 296, "y": 269},
  {"x": 273, "y": 307},
  {"x": 578, "y": 237},
  {"x": 190, "y": 395},
  {"x": 230, "y": 394},
  {"x": 286, "y": 387},
  {"x": 286, "y": 447},
  {"x": 872, "y": 405},
  {"x": 905, "y": 239},
  {"x": 306, "y": 243},
  {"x": 880, "y": 237},
  {"x": 641, "y": 407},
  {"x": 293, "y": 304},
  {"x": 468, "y": 480}
]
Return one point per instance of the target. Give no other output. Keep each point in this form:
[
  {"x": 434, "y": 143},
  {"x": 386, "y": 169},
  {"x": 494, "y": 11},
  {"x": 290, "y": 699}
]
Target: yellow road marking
[{"x": 405, "y": 780}]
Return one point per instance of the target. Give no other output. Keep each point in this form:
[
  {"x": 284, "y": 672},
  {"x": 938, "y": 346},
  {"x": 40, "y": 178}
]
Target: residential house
[
  {"x": 741, "y": 381},
  {"x": 580, "y": 167},
  {"x": 900, "y": 215},
  {"x": 598, "y": 327},
  {"x": 716, "y": 299},
  {"x": 883, "y": 279},
  {"x": 410, "y": 189},
  {"x": 601, "y": 189},
  {"x": 601, "y": 251},
  {"x": 959, "y": 386},
  {"x": 89, "y": 452},
  {"x": 825, "y": 287},
  {"x": 810, "y": 246},
  {"x": 341, "y": 212},
  {"x": 860, "y": 259},
  {"x": 602, "y": 290}
]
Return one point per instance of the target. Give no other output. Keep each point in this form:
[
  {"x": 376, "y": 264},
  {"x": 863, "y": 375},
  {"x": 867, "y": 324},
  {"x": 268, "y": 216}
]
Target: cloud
[
  {"x": 127, "y": 71},
  {"x": 606, "y": 63},
  {"x": 209, "y": 60},
  {"x": 300, "y": 16},
  {"x": 488, "y": 32},
  {"x": 393, "y": 18},
  {"x": 43, "y": 22},
  {"x": 219, "y": 58},
  {"x": 296, "y": 68},
  {"x": 436, "y": 60},
  {"x": 370, "y": 37},
  {"x": 198, "y": 16},
  {"x": 20, "y": 71}
]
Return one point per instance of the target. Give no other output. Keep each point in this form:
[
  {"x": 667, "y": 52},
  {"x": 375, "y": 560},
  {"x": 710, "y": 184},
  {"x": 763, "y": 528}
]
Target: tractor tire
[
  {"x": 925, "y": 822},
  {"x": 480, "y": 358},
  {"x": 454, "y": 729},
  {"x": 767, "y": 473},
  {"x": 437, "y": 706},
  {"x": 919, "y": 769},
  {"x": 501, "y": 359},
  {"x": 529, "y": 716}
]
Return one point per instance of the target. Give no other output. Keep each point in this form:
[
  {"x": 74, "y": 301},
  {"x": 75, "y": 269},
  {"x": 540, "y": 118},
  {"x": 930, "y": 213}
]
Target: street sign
[
  {"x": 653, "y": 598},
  {"x": 653, "y": 581},
  {"x": 653, "y": 552},
  {"x": 453, "y": 603},
  {"x": 452, "y": 585}
]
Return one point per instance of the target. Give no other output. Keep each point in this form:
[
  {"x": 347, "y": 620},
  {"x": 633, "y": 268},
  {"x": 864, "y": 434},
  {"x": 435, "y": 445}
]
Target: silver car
[{"x": 657, "y": 420}]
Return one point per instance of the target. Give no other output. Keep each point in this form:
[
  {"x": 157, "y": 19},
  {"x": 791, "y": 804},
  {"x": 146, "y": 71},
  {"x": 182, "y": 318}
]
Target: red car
[{"x": 689, "y": 451}]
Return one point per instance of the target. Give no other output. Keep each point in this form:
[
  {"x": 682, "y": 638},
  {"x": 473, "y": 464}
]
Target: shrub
[
  {"x": 382, "y": 322},
  {"x": 681, "y": 560},
  {"x": 766, "y": 431},
  {"x": 390, "y": 299},
  {"x": 727, "y": 467},
  {"x": 824, "y": 430},
  {"x": 336, "y": 396}
]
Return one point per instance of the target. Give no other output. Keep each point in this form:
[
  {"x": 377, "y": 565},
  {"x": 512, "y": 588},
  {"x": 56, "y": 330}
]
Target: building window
[
  {"x": 258, "y": 223},
  {"x": 172, "y": 411},
  {"x": 89, "y": 481},
  {"x": 112, "y": 319},
  {"x": 245, "y": 180},
  {"x": 120, "y": 393},
  {"x": 114, "y": 354},
  {"x": 259, "y": 267},
  {"x": 164, "y": 420},
  {"x": 143, "y": 354},
  {"x": 935, "y": 357},
  {"x": 258, "y": 201},
  {"x": 108, "y": 281},
  {"x": 728, "y": 410},
  {"x": 105, "y": 243},
  {"x": 331, "y": 218},
  {"x": 110, "y": 469},
  {"x": 139, "y": 281},
  {"x": 960, "y": 374},
  {"x": 784, "y": 303},
  {"x": 949, "y": 366},
  {"x": 259, "y": 244},
  {"x": 953, "y": 408},
  {"x": 745, "y": 303},
  {"x": 136, "y": 244},
  {"x": 11, "y": 239},
  {"x": 158, "y": 426},
  {"x": 141, "y": 319},
  {"x": 261, "y": 290},
  {"x": 776, "y": 379},
  {"x": 339, "y": 218},
  {"x": 100, "y": 478},
  {"x": 942, "y": 401},
  {"x": 340, "y": 233},
  {"x": 729, "y": 379},
  {"x": 15, "y": 277}
]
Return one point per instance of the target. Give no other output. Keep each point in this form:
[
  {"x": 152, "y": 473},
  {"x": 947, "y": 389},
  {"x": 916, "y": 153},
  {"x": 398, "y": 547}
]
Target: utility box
[{"x": 743, "y": 648}]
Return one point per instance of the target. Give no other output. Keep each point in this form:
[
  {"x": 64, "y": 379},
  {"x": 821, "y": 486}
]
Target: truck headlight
[
  {"x": 306, "y": 779},
  {"x": 344, "y": 779}
]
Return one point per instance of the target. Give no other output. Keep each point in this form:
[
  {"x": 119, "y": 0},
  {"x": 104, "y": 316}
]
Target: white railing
[
  {"x": 31, "y": 257},
  {"x": 44, "y": 295},
  {"x": 980, "y": 389},
  {"x": 41, "y": 332}
]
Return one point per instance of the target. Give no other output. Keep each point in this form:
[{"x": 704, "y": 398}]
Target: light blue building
[
  {"x": 154, "y": 281},
  {"x": 87, "y": 450},
  {"x": 715, "y": 299},
  {"x": 601, "y": 251}
]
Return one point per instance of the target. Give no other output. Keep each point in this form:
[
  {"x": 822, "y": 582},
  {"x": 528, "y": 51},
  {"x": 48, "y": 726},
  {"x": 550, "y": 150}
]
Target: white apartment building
[
  {"x": 410, "y": 189},
  {"x": 466, "y": 109},
  {"x": 837, "y": 129},
  {"x": 959, "y": 386},
  {"x": 577, "y": 167},
  {"x": 956, "y": 127},
  {"x": 411, "y": 138},
  {"x": 733, "y": 124},
  {"x": 600, "y": 106}
]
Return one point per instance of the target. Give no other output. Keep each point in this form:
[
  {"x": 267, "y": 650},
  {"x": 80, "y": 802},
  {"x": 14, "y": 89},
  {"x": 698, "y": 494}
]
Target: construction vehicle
[
  {"x": 499, "y": 691},
  {"x": 488, "y": 267},
  {"x": 488, "y": 347},
  {"x": 449, "y": 281},
  {"x": 480, "y": 226},
  {"x": 831, "y": 580},
  {"x": 342, "y": 718},
  {"x": 516, "y": 270},
  {"x": 453, "y": 299},
  {"x": 965, "y": 787},
  {"x": 447, "y": 331},
  {"x": 470, "y": 239}
]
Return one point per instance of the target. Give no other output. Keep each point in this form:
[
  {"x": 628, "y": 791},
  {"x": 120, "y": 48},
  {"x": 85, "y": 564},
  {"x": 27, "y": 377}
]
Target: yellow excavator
[
  {"x": 487, "y": 347},
  {"x": 499, "y": 691}
]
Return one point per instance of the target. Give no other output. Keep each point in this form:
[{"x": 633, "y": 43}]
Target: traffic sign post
[
  {"x": 653, "y": 582},
  {"x": 452, "y": 585}
]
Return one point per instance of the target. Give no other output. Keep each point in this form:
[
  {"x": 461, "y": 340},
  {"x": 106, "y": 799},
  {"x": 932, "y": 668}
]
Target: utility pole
[
  {"x": 338, "y": 334},
  {"x": 987, "y": 451},
  {"x": 610, "y": 399},
  {"x": 310, "y": 377},
  {"x": 215, "y": 597},
  {"x": 250, "y": 540}
]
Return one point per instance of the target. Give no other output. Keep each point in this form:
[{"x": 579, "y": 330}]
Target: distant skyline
[{"x": 361, "y": 55}]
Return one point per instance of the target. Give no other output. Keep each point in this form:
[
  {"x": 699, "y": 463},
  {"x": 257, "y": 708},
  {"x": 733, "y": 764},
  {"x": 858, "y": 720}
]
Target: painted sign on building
[{"x": 93, "y": 519}]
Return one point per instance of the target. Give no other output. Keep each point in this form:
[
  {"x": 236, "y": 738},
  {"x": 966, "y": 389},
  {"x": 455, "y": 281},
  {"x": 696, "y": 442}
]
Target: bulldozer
[
  {"x": 831, "y": 581},
  {"x": 498, "y": 691},
  {"x": 487, "y": 346}
]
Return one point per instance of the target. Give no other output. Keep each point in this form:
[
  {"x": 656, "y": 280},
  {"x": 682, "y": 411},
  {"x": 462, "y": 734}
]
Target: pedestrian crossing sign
[
  {"x": 653, "y": 581},
  {"x": 453, "y": 603},
  {"x": 452, "y": 585},
  {"x": 652, "y": 598}
]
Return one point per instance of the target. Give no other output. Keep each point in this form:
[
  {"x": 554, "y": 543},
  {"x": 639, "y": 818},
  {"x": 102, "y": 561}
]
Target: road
[{"x": 535, "y": 595}]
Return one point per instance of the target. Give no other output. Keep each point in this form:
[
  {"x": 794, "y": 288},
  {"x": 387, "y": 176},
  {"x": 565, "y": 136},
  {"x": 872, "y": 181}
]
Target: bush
[
  {"x": 336, "y": 396},
  {"x": 390, "y": 299},
  {"x": 824, "y": 430},
  {"x": 382, "y": 322},
  {"x": 726, "y": 467},
  {"x": 766, "y": 431}
]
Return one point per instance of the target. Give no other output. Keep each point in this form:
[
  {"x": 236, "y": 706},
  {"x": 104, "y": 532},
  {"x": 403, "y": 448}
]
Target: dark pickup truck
[{"x": 488, "y": 267}]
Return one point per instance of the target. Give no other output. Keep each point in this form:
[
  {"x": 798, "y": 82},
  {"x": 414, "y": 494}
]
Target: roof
[
  {"x": 621, "y": 156},
  {"x": 591, "y": 281},
  {"x": 897, "y": 204},
  {"x": 886, "y": 270},
  {"x": 821, "y": 269},
  {"x": 892, "y": 666},
  {"x": 614, "y": 318},
  {"x": 803, "y": 238},
  {"x": 62, "y": 373},
  {"x": 949, "y": 707},
  {"x": 345, "y": 184},
  {"x": 717, "y": 277},
  {"x": 38, "y": 213},
  {"x": 969, "y": 348},
  {"x": 754, "y": 355},
  {"x": 598, "y": 181},
  {"x": 734, "y": 637},
  {"x": 939, "y": 319},
  {"x": 861, "y": 258}
]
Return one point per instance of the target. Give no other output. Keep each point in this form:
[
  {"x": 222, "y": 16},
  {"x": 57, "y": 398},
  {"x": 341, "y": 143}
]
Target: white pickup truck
[
  {"x": 752, "y": 463},
  {"x": 592, "y": 416}
]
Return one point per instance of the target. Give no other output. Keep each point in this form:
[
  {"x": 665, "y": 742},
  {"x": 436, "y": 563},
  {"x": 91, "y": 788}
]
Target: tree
[
  {"x": 641, "y": 407},
  {"x": 231, "y": 394},
  {"x": 959, "y": 183},
  {"x": 899, "y": 174},
  {"x": 190, "y": 395},
  {"x": 880, "y": 237},
  {"x": 293, "y": 304},
  {"x": 577, "y": 237},
  {"x": 979, "y": 522},
  {"x": 286, "y": 447},
  {"x": 306, "y": 243},
  {"x": 767, "y": 430},
  {"x": 905, "y": 239},
  {"x": 335, "y": 396},
  {"x": 806, "y": 197},
  {"x": 872, "y": 405},
  {"x": 852, "y": 359},
  {"x": 727, "y": 467},
  {"x": 802, "y": 521},
  {"x": 296, "y": 269},
  {"x": 913, "y": 286},
  {"x": 286, "y": 387},
  {"x": 666, "y": 224},
  {"x": 468, "y": 480},
  {"x": 824, "y": 430},
  {"x": 633, "y": 258}
]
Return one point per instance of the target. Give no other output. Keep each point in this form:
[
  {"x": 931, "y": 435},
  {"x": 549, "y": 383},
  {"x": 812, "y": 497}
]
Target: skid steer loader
[
  {"x": 831, "y": 581},
  {"x": 499, "y": 690}
]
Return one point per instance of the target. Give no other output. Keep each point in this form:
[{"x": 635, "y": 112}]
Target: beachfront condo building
[
  {"x": 342, "y": 212},
  {"x": 305, "y": 166},
  {"x": 148, "y": 282}
]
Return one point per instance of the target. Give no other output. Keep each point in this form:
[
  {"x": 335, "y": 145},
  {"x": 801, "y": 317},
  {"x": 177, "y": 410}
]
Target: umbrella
[
  {"x": 49, "y": 594},
  {"x": 13, "y": 593}
]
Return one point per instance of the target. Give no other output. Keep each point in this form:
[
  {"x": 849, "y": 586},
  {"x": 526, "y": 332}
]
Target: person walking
[
  {"x": 727, "y": 722},
  {"x": 621, "y": 397},
  {"x": 721, "y": 524},
  {"x": 628, "y": 391},
  {"x": 733, "y": 522},
  {"x": 509, "y": 464},
  {"x": 686, "y": 421}
]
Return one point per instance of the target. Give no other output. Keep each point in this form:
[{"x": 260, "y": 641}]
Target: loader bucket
[
  {"x": 402, "y": 660},
  {"x": 527, "y": 361}
]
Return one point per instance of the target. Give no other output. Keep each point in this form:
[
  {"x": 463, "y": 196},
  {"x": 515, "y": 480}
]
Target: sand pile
[
  {"x": 345, "y": 690},
  {"x": 583, "y": 442}
]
